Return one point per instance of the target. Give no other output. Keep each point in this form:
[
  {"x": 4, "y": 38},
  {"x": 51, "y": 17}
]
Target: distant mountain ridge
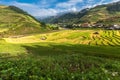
[
  {"x": 65, "y": 17},
  {"x": 101, "y": 14}
]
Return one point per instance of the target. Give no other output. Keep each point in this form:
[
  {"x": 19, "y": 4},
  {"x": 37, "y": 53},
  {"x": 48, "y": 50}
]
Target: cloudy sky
[{"x": 43, "y": 8}]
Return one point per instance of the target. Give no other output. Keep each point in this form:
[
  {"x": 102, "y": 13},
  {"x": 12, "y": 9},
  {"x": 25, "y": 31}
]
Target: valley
[{"x": 81, "y": 45}]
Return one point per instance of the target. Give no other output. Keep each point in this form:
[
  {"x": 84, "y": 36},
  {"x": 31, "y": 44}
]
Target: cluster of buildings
[
  {"x": 99, "y": 25},
  {"x": 88, "y": 25},
  {"x": 113, "y": 27}
]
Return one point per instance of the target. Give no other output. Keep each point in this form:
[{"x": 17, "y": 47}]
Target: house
[
  {"x": 98, "y": 25},
  {"x": 114, "y": 27},
  {"x": 76, "y": 25},
  {"x": 86, "y": 25}
]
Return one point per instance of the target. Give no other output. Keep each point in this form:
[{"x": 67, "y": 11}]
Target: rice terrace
[
  {"x": 38, "y": 42},
  {"x": 81, "y": 54},
  {"x": 87, "y": 37}
]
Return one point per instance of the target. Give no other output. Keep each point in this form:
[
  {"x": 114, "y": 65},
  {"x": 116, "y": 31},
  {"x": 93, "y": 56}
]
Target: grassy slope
[
  {"x": 68, "y": 67},
  {"x": 101, "y": 13},
  {"x": 54, "y": 60},
  {"x": 95, "y": 14},
  {"x": 17, "y": 22},
  {"x": 50, "y": 60},
  {"x": 101, "y": 44}
]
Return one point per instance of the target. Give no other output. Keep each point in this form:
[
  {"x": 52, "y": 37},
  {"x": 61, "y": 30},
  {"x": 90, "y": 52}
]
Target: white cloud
[
  {"x": 40, "y": 9},
  {"x": 35, "y": 10},
  {"x": 92, "y": 3},
  {"x": 43, "y": 9},
  {"x": 45, "y": 3},
  {"x": 74, "y": 9},
  {"x": 44, "y": 12},
  {"x": 115, "y": 0},
  {"x": 68, "y": 4}
]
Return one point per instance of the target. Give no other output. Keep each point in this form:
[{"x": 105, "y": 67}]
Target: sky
[{"x": 45, "y": 8}]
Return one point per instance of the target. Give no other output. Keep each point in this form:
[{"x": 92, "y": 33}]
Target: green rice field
[{"x": 61, "y": 55}]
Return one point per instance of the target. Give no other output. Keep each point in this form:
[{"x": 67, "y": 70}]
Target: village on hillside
[{"x": 88, "y": 25}]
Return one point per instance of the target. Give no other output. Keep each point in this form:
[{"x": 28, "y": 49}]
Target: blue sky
[{"x": 44, "y": 8}]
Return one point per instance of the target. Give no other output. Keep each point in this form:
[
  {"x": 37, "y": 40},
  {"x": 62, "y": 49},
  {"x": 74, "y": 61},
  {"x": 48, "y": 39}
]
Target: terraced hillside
[
  {"x": 61, "y": 55},
  {"x": 87, "y": 37},
  {"x": 14, "y": 21}
]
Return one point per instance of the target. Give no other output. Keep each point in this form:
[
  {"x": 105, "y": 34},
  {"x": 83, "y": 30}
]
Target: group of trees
[
  {"x": 50, "y": 26},
  {"x": 114, "y": 7}
]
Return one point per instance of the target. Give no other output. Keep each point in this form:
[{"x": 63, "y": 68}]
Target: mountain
[
  {"x": 15, "y": 21},
  {"x": 67, "y": 18},
  {"x": 107, "y": 14}
]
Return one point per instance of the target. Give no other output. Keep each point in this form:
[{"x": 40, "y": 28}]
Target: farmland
[
  {"x": 65, "y": 54},
  {"x": 87, "y": 37},
  {"x": 67, "y": 45}
]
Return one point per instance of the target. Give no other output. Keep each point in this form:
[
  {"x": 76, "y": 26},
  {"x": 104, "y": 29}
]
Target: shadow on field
[
  {"x": 50, "y": 50},
  {"x": 58, "y": 49}
]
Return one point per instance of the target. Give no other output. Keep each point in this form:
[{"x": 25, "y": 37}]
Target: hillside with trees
[{"x": 106, "y": 15}]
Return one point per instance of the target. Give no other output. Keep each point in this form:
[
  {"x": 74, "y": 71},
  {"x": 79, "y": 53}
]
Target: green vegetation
[
  {"x": 68, "y": 67},
  {"x": 88, "y": 37},
  {"x": 84, "y": 54},
  {"x": 67, "y": 19},
  {"x": 60, "y": 57},
  {"x": 106, "y": 15},
  {"x": 14, "y": 21},
  {"x": 53, "y": 26}
]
